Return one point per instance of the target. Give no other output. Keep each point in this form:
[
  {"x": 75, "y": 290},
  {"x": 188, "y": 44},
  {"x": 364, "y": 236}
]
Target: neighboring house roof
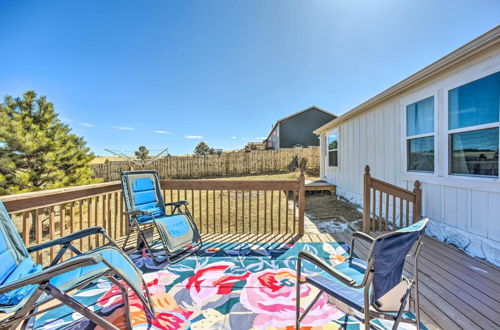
[
  {"x": 486, "y": 40},
  {"x": 295, "y": 114}
]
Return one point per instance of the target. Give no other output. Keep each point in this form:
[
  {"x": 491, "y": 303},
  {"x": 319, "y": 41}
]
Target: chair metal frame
[
  {"x": 170, "y": 256},
  {"x": 26, "y": 315},
  {"x": 370, "y": 311}
]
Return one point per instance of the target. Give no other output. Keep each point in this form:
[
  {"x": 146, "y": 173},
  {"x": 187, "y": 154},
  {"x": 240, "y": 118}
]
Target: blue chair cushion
[
  {"x": 145, "y": 198},
  {"x": 350, "y": 296},
  {"x": 14, "y": 297},
  {"x": 112, "y": 256}
]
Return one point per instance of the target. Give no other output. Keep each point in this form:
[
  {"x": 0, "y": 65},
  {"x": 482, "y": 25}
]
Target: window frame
[
  {"x": 327, "y": 148},
  {"x": 447, "y": 132},
  {"x": 404, "y": 103}
]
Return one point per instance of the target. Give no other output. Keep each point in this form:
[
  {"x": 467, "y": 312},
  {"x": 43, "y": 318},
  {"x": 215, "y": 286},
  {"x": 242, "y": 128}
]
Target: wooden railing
[
  {"x": 217, "y": 206},
  {"x": 389, "y": 207}
]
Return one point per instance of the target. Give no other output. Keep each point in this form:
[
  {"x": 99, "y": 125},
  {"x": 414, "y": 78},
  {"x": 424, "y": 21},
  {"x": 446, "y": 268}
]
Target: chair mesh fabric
[
  {"x": 178, "y": 235},
  {"x": 142, "y": 191},
  {"x": 15, "y": 260},
  {"x": 389, "y": 255},
  {"x": 19, "y": 265},
  {"x": 113, "y": 256},
  {"x": 353, "y": 297}
]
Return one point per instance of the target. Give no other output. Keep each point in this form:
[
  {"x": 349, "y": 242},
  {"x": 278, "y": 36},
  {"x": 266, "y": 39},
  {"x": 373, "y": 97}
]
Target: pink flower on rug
[
  {"x": 271, "y": 295},
  {"x": 210, "y": 282},
  {"x": 157, "y": 281}
]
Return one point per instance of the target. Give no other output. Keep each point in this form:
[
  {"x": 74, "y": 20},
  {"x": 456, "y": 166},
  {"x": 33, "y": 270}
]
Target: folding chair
[
  {"x": 144, "y": 205},
  {"x": 374, "y": 288},
  {"x": 26, "y": 286}
]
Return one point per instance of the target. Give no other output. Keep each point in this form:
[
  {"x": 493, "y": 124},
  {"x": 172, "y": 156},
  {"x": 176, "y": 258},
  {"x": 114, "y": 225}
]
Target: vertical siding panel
[
  {"x": 494, "y": 211},
  {"x": 357, "y": 157},
  {"x": 381, "y": 147},
  {"x": 386, "y": 126},
  {"x": 344, "y": 178},
  {"x": 392, "y": 144},
  {"x": 370, "y": 141},
  {"x": 350, "y": 156},
  {"x": 450, "y": 212},
  {"x": 397, "y": 140},
  {"x": 462, "y": 206},
  {"x": 480, "y": 213}
]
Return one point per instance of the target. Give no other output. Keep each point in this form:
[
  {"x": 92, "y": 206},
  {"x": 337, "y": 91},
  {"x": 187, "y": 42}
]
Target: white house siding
[{"x": 464, "y": 211}]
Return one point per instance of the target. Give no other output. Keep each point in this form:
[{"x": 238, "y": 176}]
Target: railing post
[
  {"x": 417, "y": 206},
  {"x": 302, "y": 196},
  {"x": 366, "y": 200}
]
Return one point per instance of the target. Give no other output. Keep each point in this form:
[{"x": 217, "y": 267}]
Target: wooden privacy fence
[
  {"x": 224, "y": 164},
  {"x": 389, "y": 207},
  {"x": 217, "y": 206}
]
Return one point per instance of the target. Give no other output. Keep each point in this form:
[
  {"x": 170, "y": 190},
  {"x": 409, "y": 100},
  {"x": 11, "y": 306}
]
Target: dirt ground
[{"x": 328, "y": 207}]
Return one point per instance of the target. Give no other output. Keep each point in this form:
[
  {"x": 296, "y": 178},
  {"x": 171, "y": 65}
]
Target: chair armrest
[
  {"x": 67, "y": 239},
  {"x": 136, "y": 213},
  {"x": 178, "y": 203},
  {"x": 50, "y": 272},
  {"x": 360, "y": 234},
  {"x": 331, "y": 271}
]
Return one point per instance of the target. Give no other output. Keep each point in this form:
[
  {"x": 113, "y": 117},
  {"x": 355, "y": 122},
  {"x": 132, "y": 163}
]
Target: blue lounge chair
[
  {"x": 375, "y": 288},
  {"x": 26, "y": 286},
  {"x": 179, "y": 236}
]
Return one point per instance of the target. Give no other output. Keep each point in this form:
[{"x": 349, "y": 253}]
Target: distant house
[
  {"x": 255, "y": 146},
  {"x": 439, "y": 126},
  {"x": 297, "y": 129}
]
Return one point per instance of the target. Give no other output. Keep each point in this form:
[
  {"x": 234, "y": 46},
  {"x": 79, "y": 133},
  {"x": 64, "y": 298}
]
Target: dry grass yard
[{"x": 327, "y": 207}]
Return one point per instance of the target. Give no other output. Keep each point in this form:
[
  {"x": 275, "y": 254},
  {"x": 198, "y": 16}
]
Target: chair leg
[
  {"x": 417, "y": 304},
  {"x": 148, "y": 305},
  {"x": 126, "y": 303},
  {"x": 366, "y": 309},
  {"x": 78, "y": 307},
  {"x": 129, "y": 231},
  {"x": 297, "y": 296},
  {"x": 18, "y": 316}
]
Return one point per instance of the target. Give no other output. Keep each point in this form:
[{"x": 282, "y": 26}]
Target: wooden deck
[
  {"x": 320, "y": 185},
  {"x": 457, "y": 291}
]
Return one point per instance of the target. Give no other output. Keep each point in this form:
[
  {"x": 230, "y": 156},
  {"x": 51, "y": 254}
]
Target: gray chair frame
[
  {"x": 169, "y": 256},
  {"x": 369, "y": 311},
  {"x": 135, "y": 225},
  {"x": 30, "y": 310}
]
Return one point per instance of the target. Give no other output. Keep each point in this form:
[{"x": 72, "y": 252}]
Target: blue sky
[{"x": 166, "y": 73}]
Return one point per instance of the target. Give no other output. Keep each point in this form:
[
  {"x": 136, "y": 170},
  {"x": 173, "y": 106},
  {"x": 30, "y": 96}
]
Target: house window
[
  {"x": 333, "y": 149},
  {"x": 473, "y": 125},
  {"x": 420, "y": 135}
]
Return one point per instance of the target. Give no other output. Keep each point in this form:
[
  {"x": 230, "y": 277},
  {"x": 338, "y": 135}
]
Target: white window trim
[
  {"x": 327, "y": 149},
  {"x": 415, "y": 97},
  {"x": 444, "y": 139},
  {"x": 440, "y": 88}
]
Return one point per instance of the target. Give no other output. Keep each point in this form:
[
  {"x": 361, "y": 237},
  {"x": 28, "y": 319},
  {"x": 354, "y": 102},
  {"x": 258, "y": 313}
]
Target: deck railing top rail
[{"x": 218, "y": 206}]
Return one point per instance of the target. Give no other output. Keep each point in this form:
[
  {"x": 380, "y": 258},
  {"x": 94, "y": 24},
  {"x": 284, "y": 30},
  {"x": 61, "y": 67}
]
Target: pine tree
[
  {"x": 203, "y": 149},
  {"x": 142, "y": 153},
  {"x": 38, "y": 151}
]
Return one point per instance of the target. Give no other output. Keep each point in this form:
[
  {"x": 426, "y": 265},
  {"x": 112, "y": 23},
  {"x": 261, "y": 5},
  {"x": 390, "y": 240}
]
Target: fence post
[
  {"x": 417, "y": 206},
  {"x": 302, "y": 204},
  {"x": 366, "y": 200}
]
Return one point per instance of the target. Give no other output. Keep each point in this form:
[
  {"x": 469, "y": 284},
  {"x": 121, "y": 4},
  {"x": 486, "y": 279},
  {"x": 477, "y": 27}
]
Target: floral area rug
[{"x": 223, "y": 286}]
